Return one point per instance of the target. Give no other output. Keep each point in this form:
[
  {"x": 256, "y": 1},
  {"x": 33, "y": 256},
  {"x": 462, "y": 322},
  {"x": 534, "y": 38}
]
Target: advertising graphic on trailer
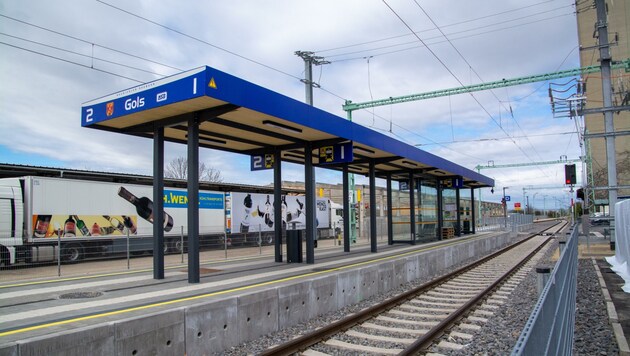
[{"x": 254, "y": 212}]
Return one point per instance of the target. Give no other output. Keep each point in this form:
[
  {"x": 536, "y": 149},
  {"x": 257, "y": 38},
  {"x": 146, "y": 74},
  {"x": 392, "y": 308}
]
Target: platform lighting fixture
[
  {"x": 410, "y": 163},
  {"x": 359, "y": 148},
  {"x": 293, "y": 155},
  {"x": 282, "y": 126},
  {"x": 210, "y": 140}
]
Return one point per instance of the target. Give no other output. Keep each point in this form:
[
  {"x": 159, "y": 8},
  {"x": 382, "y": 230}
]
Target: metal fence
[{"x": 549, "y": 330}]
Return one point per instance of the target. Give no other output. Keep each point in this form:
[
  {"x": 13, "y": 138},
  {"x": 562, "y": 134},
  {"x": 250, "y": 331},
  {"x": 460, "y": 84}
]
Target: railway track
[{"x": 449, "y": 308}]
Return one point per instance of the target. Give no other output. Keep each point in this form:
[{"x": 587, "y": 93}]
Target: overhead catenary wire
[
  {"x": 71, "y": 62},
  {"x": 449, "y": 25},
  {"x": 472, "y": 69},
  {"x": 466, "y": 31},
  {"x": 89, "y": 42}
]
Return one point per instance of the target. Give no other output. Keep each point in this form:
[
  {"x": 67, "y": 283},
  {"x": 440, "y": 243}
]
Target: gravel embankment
[{"x": 593, "y": 334}]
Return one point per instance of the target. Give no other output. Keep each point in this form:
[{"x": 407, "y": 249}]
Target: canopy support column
[
  {"x": 472, "y": 210},
  {"x": 412, "y": 208},
  {"x": 458, "y": 224},
  {"x": 373, "y": 245},
  {"x": 440, "y": 213},
  {"x": 390, "y": 226},
  {"x": 277, "y": 203},
  {"x": 309, "y": 185},
  {"x": 158, "y": 203},
  {"x": 193, "y": 199},
  {"x": 346, "y": 209}
]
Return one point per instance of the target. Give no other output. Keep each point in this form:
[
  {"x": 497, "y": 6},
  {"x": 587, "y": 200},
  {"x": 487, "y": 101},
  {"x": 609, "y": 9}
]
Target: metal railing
[{"x": 550, "y": 328}]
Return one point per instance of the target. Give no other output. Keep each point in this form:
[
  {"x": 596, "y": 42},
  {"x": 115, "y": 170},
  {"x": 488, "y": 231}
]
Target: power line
[
  {"x": 82, "y": 55},
  {"x": 71, "y": 62},
  {"x": 473, "y": 69},
  {"x": 456, "y": 78},
  {"x": 449, "y": 25},
  {"x": 466, "y": 31},
  {"x": 199, "y": 40},
  {"x": 88, "y": 42},
  {"x": 438, "y": 42}
]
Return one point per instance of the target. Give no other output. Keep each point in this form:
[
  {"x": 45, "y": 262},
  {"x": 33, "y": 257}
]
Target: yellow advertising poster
[{"x": 84, "y": 225}]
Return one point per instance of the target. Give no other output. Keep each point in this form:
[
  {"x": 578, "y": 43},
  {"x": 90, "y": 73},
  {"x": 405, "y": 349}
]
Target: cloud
[{"x": 42, "y": 96}]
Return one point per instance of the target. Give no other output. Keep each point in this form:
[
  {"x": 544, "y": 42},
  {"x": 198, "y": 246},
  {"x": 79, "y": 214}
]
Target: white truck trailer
[{"x": 42, "y": 218}]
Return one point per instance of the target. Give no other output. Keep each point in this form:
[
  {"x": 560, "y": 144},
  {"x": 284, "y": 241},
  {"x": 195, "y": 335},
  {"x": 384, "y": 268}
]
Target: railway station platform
[{"x": 237, "y": 300}]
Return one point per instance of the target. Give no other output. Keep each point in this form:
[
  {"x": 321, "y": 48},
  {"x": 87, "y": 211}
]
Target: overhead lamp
[
  {"x": 282, "y": 126},
  {"x": 439, "y": 172},
  {"x": 358, "y": 148},
  {"x": 293, "y": 155},
  {"x": 210, "y": 140},
  {"x": 410, "y": 163}
]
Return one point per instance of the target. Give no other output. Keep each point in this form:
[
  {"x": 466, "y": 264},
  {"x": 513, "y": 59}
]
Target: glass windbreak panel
[
  {"x": 401, "y": 222},
  {"x": 465, "y": 211},
  {"x": 427, "y": 220},
  {"x": 449, "y": 208}
]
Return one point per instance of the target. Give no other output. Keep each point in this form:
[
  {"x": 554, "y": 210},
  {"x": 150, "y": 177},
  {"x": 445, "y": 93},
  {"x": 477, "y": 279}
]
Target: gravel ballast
[{"x": 593, "y": 333}]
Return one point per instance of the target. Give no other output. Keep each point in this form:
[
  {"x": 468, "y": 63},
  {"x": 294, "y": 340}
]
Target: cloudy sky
[{"x": 57, "y": 55}]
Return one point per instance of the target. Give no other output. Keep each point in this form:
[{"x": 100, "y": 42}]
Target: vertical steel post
[
  {"x": 193, "y": 199},
  {"x": 372, "y": 173},
  {"x": 310, "y": 208},
  {"x": 412, "y": 208},
  {"x": 59, "y": 252},
  {"x": 609, "y": 127},
  {"x": 458, "y": 226},
  {"x": 473, "y": 222},
  {"x": 440, "y": 214},
  {"x": 418, "y": 184},
  {"x": 277, "y": 203},
  {"x": 158, "y": 203},
  {"x": 128, "y": 260},
  {"x": 390, "y": 214},
  {"x": 346, "y": 210}
]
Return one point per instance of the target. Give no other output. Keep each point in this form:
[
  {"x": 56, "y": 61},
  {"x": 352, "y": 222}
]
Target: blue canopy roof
[{"x": 239, "y": 116}]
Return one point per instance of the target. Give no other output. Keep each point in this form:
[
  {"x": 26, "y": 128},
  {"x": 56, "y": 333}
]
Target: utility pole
[
  {"x": 309, "y": 61},
  {"x": 605, "y": 60},
  {"x": 309, "y": 170}
]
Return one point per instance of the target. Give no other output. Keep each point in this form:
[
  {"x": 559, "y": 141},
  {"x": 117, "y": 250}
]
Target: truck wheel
[
  {"x": 72, "y": 253},
  {"x": 177, "y": 246},
  {"x": 4, "y": 256}
]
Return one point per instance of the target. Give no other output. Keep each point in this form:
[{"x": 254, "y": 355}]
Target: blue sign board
[
  {"x": 179, "y": 199},
  {"x": 181, "y": 87},
  {"x": 337, "y": 153},
  {"x": 507, "y": 198},
  {"x": 403, "y": 185},
  {"x": 262, "y": 162}
]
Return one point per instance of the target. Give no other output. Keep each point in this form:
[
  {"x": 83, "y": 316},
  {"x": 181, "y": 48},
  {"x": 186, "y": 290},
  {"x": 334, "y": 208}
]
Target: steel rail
[{"x": 303, "y": 342}]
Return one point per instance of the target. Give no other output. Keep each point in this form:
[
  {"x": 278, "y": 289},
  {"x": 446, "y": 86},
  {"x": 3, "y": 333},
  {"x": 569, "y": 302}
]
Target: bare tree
[{"x": 178, "y": 169}]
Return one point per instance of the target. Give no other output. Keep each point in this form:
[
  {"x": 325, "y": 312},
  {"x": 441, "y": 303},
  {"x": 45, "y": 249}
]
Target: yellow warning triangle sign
[{"x": 212, "y": 84}]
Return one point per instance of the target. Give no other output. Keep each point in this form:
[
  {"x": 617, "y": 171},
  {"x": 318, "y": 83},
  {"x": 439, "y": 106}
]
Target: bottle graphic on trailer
[
  {"x": 81, "y": 226},
  {"x": 69, "y": 227},
  {"x": 129, "y": 224},
  {"x": 41, "y": 225},
  {"x": 144, "y": 208},
  {"x": 116, "y": 224}
]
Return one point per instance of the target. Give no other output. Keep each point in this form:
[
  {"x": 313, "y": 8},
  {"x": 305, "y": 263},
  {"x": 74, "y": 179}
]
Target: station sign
[
  {"x": 337, "y": 153},
  {"x": 181, "y": 87},
  {"x": 403, "y": 185},
  {"x": 262, "y": 162},
  {"x": 453, "y": 183},
  {"x": 507, "y": 198}
]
